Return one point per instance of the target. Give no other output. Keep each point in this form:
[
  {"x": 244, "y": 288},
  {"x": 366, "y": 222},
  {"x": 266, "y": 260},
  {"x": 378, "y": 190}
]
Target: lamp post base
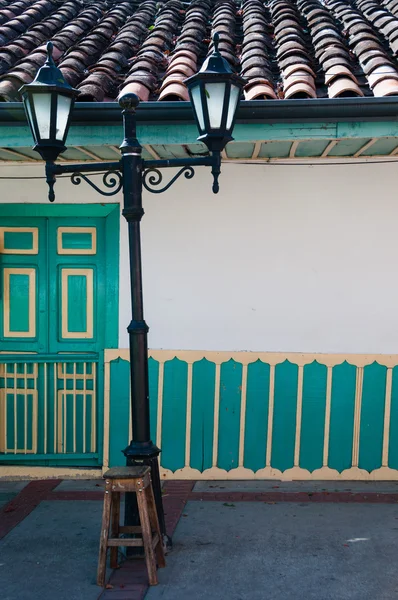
[{"x": 138, "y": 454}]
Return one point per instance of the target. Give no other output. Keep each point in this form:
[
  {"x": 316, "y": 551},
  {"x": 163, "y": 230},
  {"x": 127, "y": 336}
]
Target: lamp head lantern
[
  {"x": 48, "y": 103},
  {"x": 214, "y": 92}
]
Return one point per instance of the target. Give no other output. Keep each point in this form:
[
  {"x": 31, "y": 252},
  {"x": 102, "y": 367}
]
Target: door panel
[
  {"x": 76, "y": 240},
  {"x": 23, "y": 283},
  {"x": 77, "y": 303},
  {"x": 19, "y": 240},
  {"x": 19, "y": 302},
  {"x": 77, "y": 283}
]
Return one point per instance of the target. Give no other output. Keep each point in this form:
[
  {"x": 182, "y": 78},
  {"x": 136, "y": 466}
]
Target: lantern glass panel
[
  {"x": 27, "y": 104},
  {"x": 42, "y": 104},
  {"x": 215, "y": 94},
  {"x": 233, "y": 101},
  {"x": 63, "y": 112},
  {"x": 197, "y": 104}
]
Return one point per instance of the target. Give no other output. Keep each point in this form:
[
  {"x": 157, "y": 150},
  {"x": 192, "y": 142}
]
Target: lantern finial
[
  {"x": 216, "y": 41},
  {"x": 50, "y": 48}
]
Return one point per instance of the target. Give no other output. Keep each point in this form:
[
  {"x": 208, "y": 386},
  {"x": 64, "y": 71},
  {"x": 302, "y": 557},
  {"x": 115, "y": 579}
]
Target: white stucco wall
[{"x": 284, "y": 258}]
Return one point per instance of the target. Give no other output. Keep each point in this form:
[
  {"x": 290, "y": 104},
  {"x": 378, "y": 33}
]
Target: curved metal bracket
[
  {"x": 113, "y": 180},
  {"x": 153, "y": 177}
]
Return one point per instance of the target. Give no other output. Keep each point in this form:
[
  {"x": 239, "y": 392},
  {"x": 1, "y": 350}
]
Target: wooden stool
[{"x": 130, "y": 479}]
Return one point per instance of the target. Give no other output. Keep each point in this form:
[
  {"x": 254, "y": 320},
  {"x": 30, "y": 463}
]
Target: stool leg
[
  {"x": 147, "y": 538},
  {"x": 115, "y": 528},
  {"x": 106, "y": 517},
  {"x": 153, "y": 518}
]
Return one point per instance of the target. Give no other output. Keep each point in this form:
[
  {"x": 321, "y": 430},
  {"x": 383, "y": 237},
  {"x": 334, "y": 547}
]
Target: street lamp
[{"x": 48, "y": 102}]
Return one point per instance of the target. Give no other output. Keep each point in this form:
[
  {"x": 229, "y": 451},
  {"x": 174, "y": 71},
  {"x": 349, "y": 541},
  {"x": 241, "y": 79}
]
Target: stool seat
[
  {"x": 126, "y": 472},
  {"x": 137, "y": 480}
]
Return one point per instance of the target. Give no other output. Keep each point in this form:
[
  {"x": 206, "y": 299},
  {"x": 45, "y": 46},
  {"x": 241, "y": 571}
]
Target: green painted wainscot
[{"x": 241, "y": 415}]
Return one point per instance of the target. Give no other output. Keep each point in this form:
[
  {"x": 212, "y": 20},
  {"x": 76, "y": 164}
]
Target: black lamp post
[{"x": 48, "y": 103}]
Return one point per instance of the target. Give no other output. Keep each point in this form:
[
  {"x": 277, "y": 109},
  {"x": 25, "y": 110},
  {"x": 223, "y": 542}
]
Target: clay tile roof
[{"x": 282, "y": 48}]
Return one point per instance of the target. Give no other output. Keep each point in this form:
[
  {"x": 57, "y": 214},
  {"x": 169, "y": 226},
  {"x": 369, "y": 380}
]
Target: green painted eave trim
[
  {"x": 185, "y": 134},
  {"x": 169, "y": 123}
]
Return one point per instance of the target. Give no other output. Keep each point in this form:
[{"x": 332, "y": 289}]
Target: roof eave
[{"x": 250, "y": 111}]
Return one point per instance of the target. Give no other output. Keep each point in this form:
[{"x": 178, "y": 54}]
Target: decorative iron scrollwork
[
  {"x": 113, "y": 180},
  {"x": 153, "y": 177}
]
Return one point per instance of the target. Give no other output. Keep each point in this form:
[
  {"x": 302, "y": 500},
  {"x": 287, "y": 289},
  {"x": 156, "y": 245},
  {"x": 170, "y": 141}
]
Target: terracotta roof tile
[{"x": 283, "y": 48}]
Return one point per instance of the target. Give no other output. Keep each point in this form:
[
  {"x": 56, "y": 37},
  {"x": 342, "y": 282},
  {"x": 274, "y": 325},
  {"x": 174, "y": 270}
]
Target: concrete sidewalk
[
  {"x": 52, "y": 554},
  {"x": 262, "y": 550},
  {"x": 259, "y": 551}
]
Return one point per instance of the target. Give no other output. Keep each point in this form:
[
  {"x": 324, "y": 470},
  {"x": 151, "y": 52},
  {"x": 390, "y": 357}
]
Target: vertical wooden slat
[
  {"x": 298, "y": 416},
  {"x": 15, "y": 408},
  {"x": 107, "y": 391},
  {"x": 357, "y": 417},
  {"x": 270, "y": 415},
  {"x": 55, "y": 400},
  {"x": 64, "y": 411},
  {"x": 327, "y": 417},
  {"x": 387, "y": 418},
  {"x": 94, "y": 410},
  {"x": 216, "y": 413},
  {"x": 189, "y": 416},
  {"x": 45, "y": 402},
  {"x": 242, "y": 417},
  {"x": 84, "y": 406},
  {"x": 25, "y": 394},
  {"x": 5, "y": 409},
  {"x": 35, "y": 429},
  {"x": 74, "y": 406},
  {"x": 160, "y": 406}
]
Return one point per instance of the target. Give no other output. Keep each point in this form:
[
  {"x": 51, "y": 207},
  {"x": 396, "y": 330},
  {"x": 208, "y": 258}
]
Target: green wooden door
[{"x": 53, "y": 302}]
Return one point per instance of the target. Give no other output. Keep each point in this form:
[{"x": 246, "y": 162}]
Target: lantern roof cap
[
  {"x": 50, "y": 76},
  {"x": 215, "y": 63}
]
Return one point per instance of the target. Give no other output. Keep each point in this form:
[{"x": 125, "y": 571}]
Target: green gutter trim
[{"x": 253, "y": 111}]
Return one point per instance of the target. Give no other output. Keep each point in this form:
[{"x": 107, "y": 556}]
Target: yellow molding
[
  {"x": 81, "y": 251},
  {"x": 160, "y": 406},
  {"x": 35, "y": 240},
  {"x": 14, "y": 473},
  {"x": 88, "y": 273},
  {"x": 270, "y": 416},
  {"x": 387, "y": 417},
  {"x": 107, "y": 389},
  {"x": 294, "y": 474},
  {"x": 327, "y": 417},
  {"x": 272, "y": 358},
  {"x": 216, "y": 414},
  {"x": 357, "y": 416},
  {"x": 242, "y": 416},
  {"x": 299, "y": 410},
  {"x": 31, "y": 272},
  {"x": 188, "y": 416}
]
